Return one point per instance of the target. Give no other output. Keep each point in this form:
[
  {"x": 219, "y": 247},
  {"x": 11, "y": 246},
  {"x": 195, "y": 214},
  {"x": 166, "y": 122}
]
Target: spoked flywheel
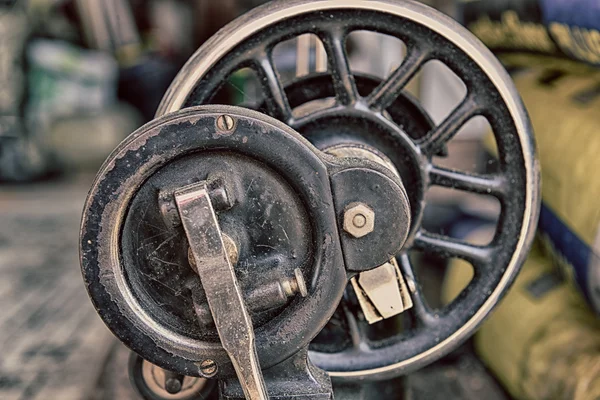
[
  {"x": 428, "y": 35},
  {"x": 218, "y": 241}
]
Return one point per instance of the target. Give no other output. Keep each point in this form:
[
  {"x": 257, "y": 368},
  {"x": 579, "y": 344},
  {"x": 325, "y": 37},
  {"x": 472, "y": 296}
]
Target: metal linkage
[
  {"x": 221, "y": 286},
  {"x": 382, "y": 292}
]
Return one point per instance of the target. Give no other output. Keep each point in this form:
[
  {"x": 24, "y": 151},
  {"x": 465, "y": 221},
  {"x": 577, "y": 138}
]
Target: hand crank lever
[{"x": 223, "y": 292}]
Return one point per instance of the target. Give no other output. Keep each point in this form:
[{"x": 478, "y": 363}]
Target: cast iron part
[
  {"x": 220, "y": 284},
  {"x": 280, "y": 203},
  {"x": 428, "y": 35}
]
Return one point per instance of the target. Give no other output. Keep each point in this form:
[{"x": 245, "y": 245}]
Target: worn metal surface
[
  {"x": 376, "y": 189},
  {"x": 53, "y": 344},
  {"x": 248, "y": 42},
  {"x": 461, "y": 376},
  {"x": 148, "y": 381},
  {"x": 148, "y": 327},
  {"x": 265, "y": 295},
  {"x": 294, "y": 378},
  {"x": 221, "y": 286},
  {"x": 382, "y": 292},
  {"x": 275, "y": 185}
]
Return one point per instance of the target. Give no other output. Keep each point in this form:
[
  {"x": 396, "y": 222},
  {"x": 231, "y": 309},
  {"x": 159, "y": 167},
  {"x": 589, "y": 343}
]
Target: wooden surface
[
  {"x": 54, "y": 346},
  {"x": 52, "y": 343}
]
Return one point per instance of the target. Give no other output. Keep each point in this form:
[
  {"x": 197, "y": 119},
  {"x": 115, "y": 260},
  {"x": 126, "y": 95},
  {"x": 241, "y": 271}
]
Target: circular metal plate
[{"x": 121, "y": 285}]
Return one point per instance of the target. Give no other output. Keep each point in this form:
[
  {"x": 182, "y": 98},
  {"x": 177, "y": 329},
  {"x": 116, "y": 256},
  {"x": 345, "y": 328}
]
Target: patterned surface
[{"x": 52, "y": 343}]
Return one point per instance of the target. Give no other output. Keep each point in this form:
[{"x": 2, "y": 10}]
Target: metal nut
[{"x": 359, "y": 220}]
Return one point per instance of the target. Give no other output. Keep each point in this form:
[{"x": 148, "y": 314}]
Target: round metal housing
[{"x": 135, "y": 262}]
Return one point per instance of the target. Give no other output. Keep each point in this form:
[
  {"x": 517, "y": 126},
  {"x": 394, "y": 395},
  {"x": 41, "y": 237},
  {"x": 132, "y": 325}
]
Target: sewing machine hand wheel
[{"x": 377, "y": 117}]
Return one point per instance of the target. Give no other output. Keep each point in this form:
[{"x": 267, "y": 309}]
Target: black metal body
[
  {"x": 287, "y": 199},
  {"x": 428, "y": 35},
  {"x": 134, "y": 256}
]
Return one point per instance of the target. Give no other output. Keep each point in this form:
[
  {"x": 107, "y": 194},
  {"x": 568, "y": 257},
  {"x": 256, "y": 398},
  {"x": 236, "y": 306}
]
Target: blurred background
[{"x": 78, "y": 76}]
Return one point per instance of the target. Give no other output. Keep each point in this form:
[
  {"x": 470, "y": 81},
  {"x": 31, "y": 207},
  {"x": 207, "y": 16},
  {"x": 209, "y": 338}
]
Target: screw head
[
  {"x": 208, "y": 368},
  {"x": 225, "y": 124},
  {"x": 359, "y": 220},
  {"x": 173, "y": 385}
]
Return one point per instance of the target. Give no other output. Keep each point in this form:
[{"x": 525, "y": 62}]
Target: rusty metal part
[
  {"x": 221, "y": 286},
  {"x": 382, "y": 292}
]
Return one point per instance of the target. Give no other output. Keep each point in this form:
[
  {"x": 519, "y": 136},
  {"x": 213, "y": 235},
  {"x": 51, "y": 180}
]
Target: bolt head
[
  {"x": 208, "y": 368},
  {"x": 225, "y": 123},
  {"x": 173, "y": 386},
  {"x": 359, "y": 220}
]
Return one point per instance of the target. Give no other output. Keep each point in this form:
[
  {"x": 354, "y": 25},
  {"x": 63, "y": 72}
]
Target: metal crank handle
[{"x": 223, "y": 292}]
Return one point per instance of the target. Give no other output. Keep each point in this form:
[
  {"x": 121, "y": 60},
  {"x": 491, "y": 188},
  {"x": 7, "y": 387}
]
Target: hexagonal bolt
[{"x": 359, "y": 220}]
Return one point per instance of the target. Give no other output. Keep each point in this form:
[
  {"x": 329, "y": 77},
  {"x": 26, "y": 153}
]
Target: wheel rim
[{"x": 249, "y": 41}]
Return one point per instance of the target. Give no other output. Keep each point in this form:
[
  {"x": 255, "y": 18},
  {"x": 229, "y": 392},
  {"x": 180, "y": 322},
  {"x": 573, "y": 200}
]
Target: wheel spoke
[
  {"x": 353, "y": 328},
  {"x": 420, "y": 310},
  {"x": 448, "y": 247},
  {"x": 301, "y": 120},
  {"x": 343, "y": 80},
  {"x": 389, "y": 90},
  {"x": 275, "y": 97},
  {"x": 445, "y": 131},
  {"x": 494, "y": 185}
]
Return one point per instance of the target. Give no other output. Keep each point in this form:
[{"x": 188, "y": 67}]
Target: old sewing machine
[{"x": 249, "y": 253}]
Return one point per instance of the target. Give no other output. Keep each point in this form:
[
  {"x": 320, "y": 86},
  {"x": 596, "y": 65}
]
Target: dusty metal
[
  {"x": 221, "y": 286},
  {"x": 173, "y": 382},
  {"x": 209, "y": 368},
  {"x": 248, "y": 43},
  {"x": 300, "y": 282},
  {"x": 168, "y": 208},
  {"x": 428, "y": 35},
  {"x": 382, "y": 292},
  {"x": 152, "y": 382},
  {"x": 230, "y": 248},
  {"x": 266, "y": 295},
  {"x": 148, "y": 306},
  {"x": 359, "y": 220}
]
